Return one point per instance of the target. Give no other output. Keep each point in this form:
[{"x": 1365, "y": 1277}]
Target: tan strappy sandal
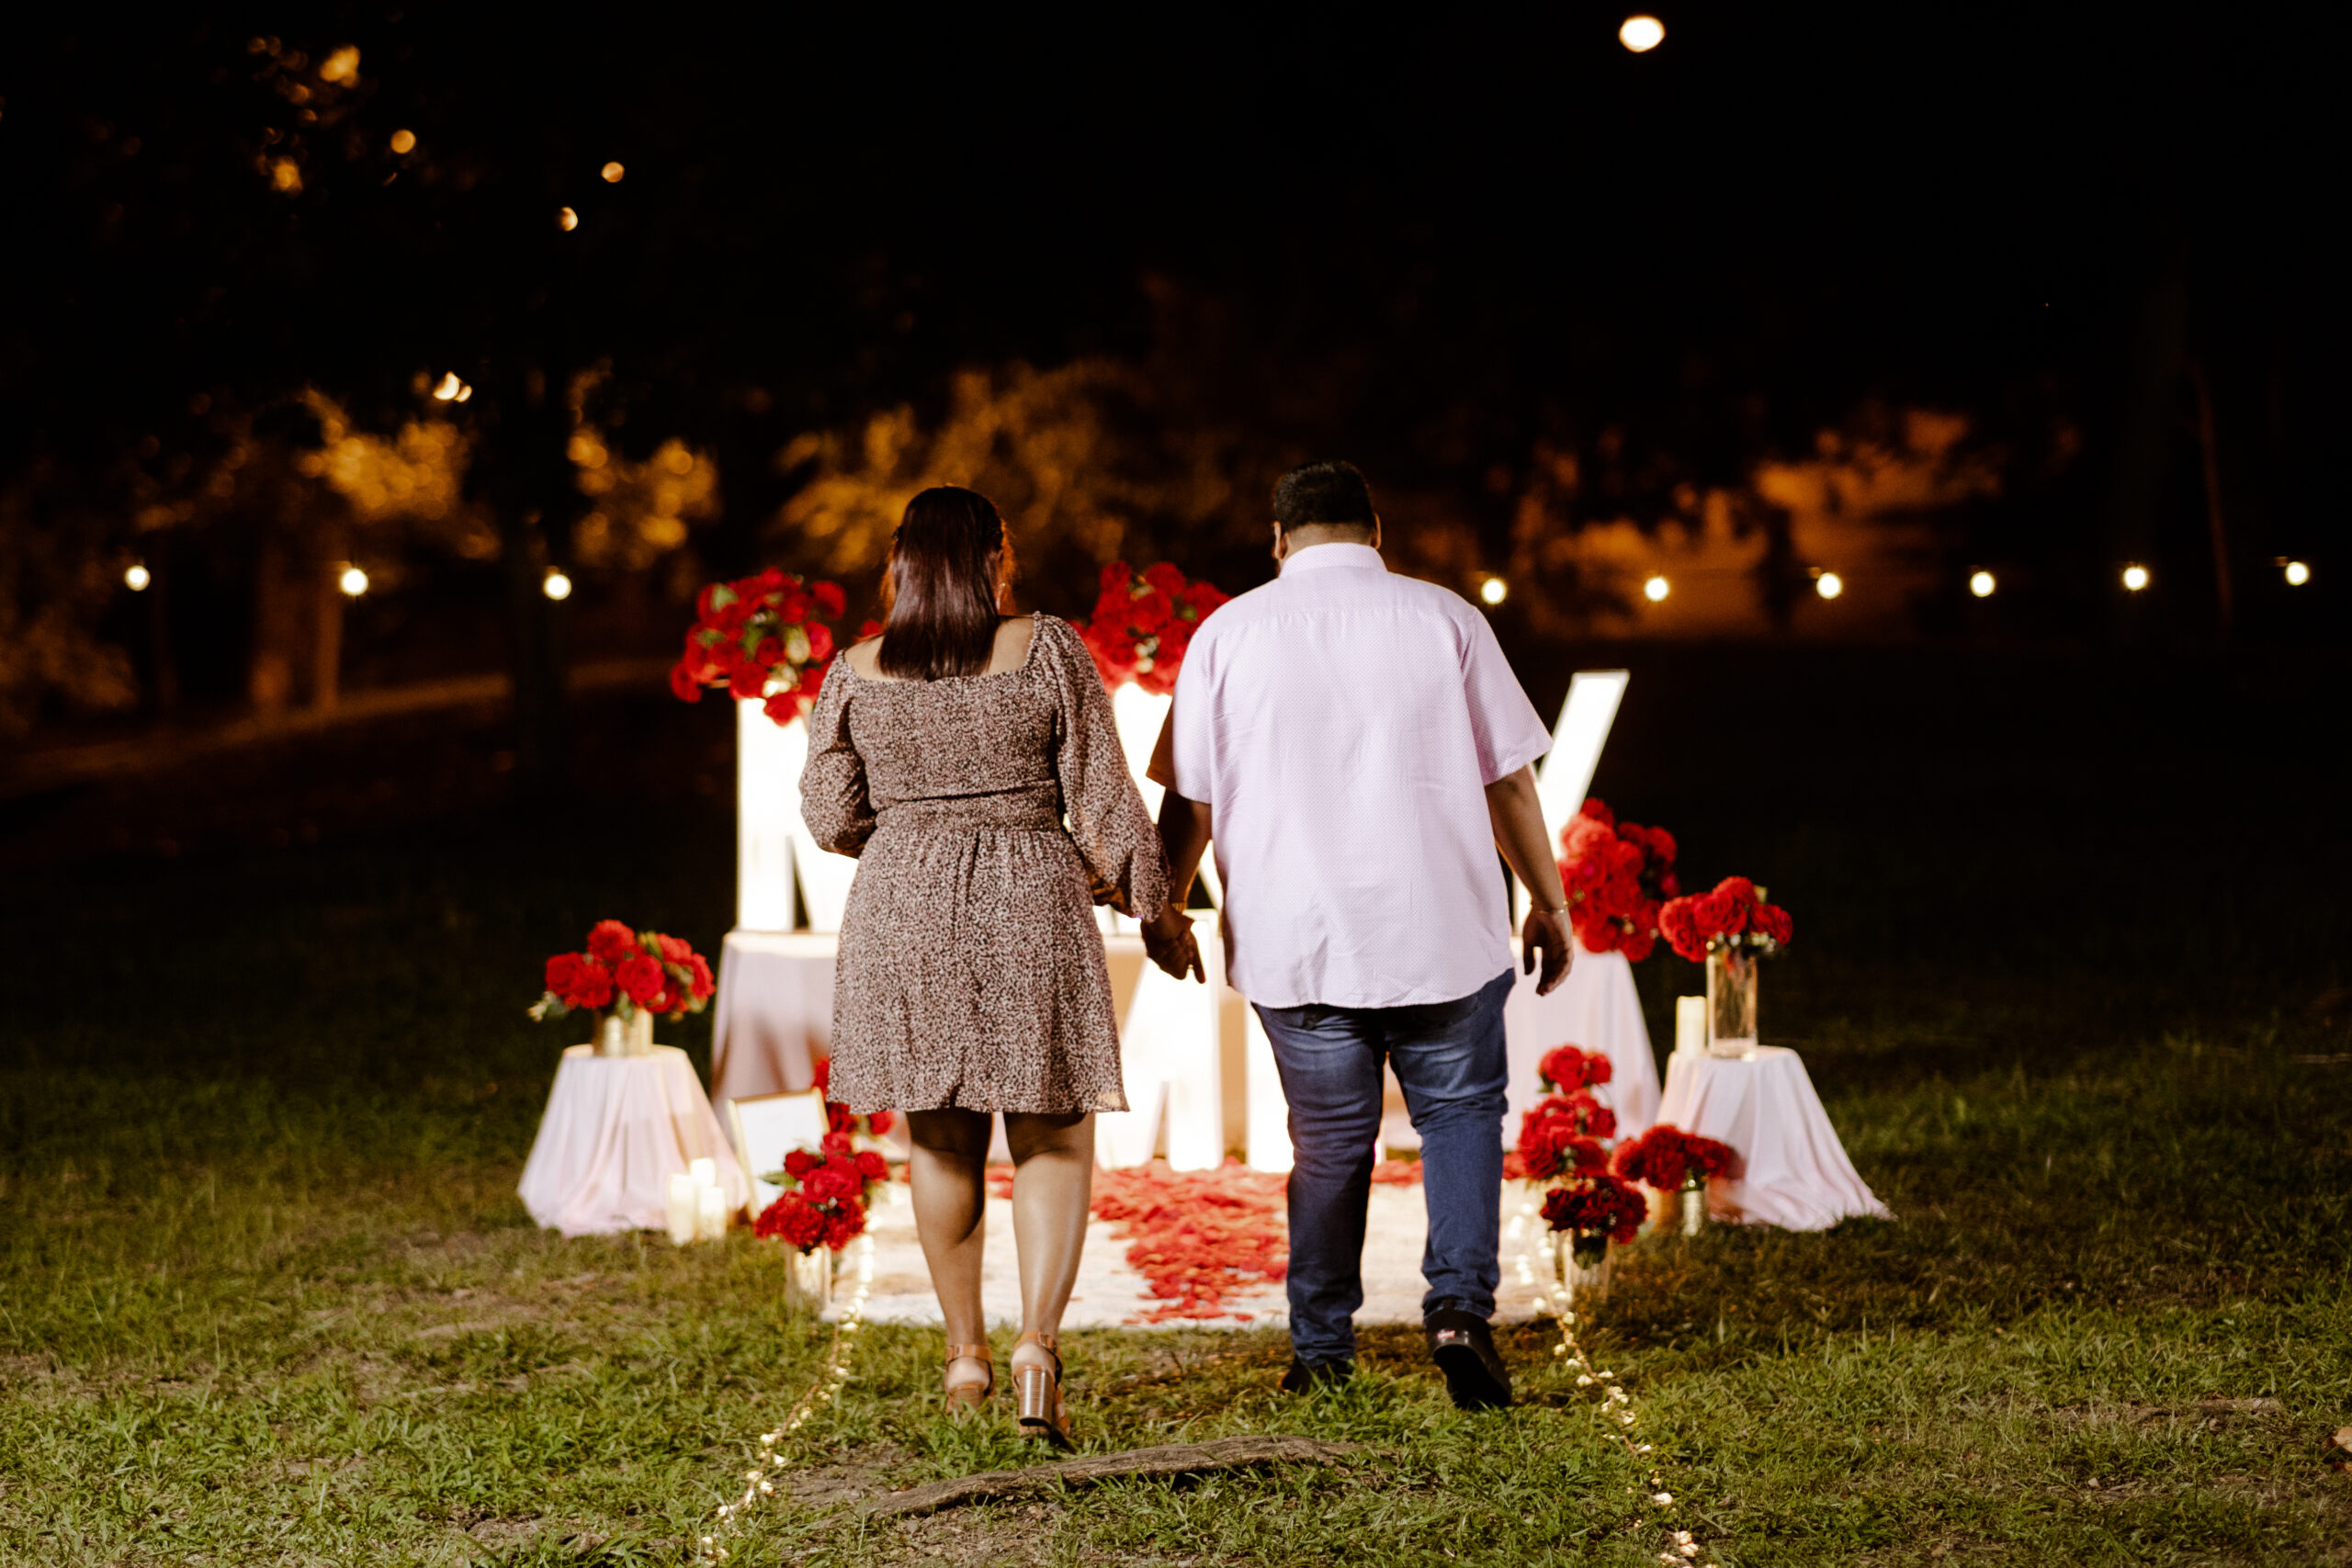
[
  {"x": 969, "y": 1398},
  {"x": 1042, "y": 1412}
]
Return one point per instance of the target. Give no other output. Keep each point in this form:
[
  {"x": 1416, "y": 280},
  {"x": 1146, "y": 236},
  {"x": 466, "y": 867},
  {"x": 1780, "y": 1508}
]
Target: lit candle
[
  {"x": 683, "y": 1214},
  {"x": 705, "y": 1171},
  {"x": 710, "y": 1213},
  {"x": 1689, "y": 1025}
]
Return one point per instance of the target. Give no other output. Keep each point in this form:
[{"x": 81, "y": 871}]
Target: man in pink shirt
[{"x": 1358, "y": 749}]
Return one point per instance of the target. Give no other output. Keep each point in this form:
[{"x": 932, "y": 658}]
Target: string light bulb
[
  {"x": 2135, "y": 577},
  {"x": 136, "y": 578},
  {"x": 1981, "y": 585},
  {"x": 1657, "y": 589},
  {"x": 1494, "y": 590},
  {"x": 1641, "y": 34},
  {"x": 447, "y": 388},
  {"x": 404, "y": 142},
  {"x": 566, "y": 219},
  {"x": 1829, "y": 585},
  {"x": 354, "y": 581},
  {"x": 557, "y": 586},
  {"x": 2297, "y": 573}
]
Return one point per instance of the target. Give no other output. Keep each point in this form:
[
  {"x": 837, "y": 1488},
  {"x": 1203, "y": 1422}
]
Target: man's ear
[
  {"x": 1375, "y": 530},
  {"x": 1282, "y": 543}
]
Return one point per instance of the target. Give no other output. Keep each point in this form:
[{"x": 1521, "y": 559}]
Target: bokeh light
[
  {"x": 342, "y": 65},
  {"x": 613, "y": 172},
  {"x": 447, "y": 388},
  {"x": 1657, "y": 589},
  {"x": 354, "y": 581},
  {"x": 404, "y": 142},
  {"x": 1981, "y": 585},
  {"x": 137, "y": 579},
  {"x": 1641, "y": 34},
  {"x": 1494, "y": 590},
  {"x": 2135, "y": 577},
  {"x": 2297, "y": 573},
  {"x": 1829, "y": 585},
  {"x": 557, "y": 585},
  {"x": 566, "y": 219}
]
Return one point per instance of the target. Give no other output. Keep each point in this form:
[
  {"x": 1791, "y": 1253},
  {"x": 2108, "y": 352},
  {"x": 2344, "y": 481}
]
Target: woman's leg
[
  {"x": 949, "y": 1172},
  {"x": 1053, "y": 1184}
]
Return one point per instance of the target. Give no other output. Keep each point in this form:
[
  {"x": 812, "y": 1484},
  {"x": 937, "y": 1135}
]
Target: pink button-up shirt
[{"x": 1342, "y": 724}]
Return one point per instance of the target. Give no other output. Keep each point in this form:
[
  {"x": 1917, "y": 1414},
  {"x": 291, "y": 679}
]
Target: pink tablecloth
[
  {"x": 616, "y": 1129},
  {"x": 1597, "y": 1007},
  {"x": 1796, "y": 1173},
  {"x": 773, "y": 1016}
]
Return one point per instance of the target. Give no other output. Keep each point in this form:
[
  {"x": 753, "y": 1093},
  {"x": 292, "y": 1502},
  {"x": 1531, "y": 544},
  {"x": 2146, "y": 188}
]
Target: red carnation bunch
[
  {"x": 1567, "y": 1068},
  {"x": 1597, "y": 1204},
  {"x": 759, "y": 636},
  {"x": 1615, "y": 874},
  {"x": 628, "y": 970},
  {"x": 1562, "y": 1134},
  {"x": 1670, "y": 1159},
  {"x": 825, "y": 1194},
  {"x": 1142, "y": 624},
  {"x": 1734, "y": 915}
]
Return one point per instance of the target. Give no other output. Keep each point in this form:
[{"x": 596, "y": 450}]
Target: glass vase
[
  {"x": 1694, "y": 1206},
  {"x": 1585, "y": 1258},
  {"x": 808, "y": 1279},
  {"x": 1731, "y": 1002},
  {"x": 630, "y": 1037}
]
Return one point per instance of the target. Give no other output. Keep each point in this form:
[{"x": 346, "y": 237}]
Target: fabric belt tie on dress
[{"x": 1034, "y": 808}]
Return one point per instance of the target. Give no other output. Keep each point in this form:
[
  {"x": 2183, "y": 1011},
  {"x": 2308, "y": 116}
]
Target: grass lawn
[{"x": 266, "y": 1294}]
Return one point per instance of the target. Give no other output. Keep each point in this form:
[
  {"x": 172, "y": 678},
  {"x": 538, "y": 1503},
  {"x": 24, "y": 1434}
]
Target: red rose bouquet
[
  {"x": 1672, "y": 1160},
  {"x": 824, "y": 1197},
  {"x": 1565, "y": 1070},
  {"x": 1731, "y": 918},
  {"x": 1615, "y": 874},
  {"x": 629, "y": 971},
  {"x": 760, "y": 638},
  {"x": 1598, "y": 1204},
  {"x": 1142, "y": 624}
]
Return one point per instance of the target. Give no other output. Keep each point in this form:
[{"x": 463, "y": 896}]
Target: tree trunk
[
  {"x": 326, "y": 617},
  {"x": 2213, "y": 519},
  {"x": 269, "y": 675}
]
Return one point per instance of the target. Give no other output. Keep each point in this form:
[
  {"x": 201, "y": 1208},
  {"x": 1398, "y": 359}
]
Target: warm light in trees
[
  {"x": 1657, "y": 589},
  {"x": 1642, "y": 34},
  {"x": 404, "y": 142},
  {"x": 287, "y": 176},
  {"x": 557, "y": 585},
  {"x": 1494, "y": 589},
  {"x": 137, "y": 578},
  {"x": 2297, "y": 573},
  {"x": 354, "y": 581},
  {"x": 566, "y": 219},
  {"x": 1829, "y": 585},
  {"x": 613, "y": 172},
  {"x": 342, "y": 65},
  {"x": 1981, "y": 585},
  {"x": 2135, "y": 577}
]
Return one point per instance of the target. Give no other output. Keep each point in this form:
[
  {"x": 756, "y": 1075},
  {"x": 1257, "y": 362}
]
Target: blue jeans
[{"x": 1450, "y": 1061}]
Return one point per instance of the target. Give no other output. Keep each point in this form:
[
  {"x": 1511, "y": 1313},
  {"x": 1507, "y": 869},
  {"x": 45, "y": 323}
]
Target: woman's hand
[{"x": 1168, "y": 938}]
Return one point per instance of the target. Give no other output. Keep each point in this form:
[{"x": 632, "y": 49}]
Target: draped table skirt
[
  {"x": 1795, "y": 1173},
  {"x": 616, "y": 1129}
]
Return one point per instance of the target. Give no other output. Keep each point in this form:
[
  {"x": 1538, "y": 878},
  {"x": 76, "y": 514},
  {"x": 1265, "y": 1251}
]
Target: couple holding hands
[{"x": 1356, "y": 748}]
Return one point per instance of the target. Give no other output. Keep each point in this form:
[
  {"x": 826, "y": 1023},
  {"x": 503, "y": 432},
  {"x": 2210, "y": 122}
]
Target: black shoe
[
  {"x": 1464, "y": 1347},
  {"x": 1306, "y": 1377}
]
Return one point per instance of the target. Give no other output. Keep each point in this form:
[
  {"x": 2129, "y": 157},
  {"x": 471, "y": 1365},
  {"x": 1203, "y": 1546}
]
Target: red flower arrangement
[
  {"x": 825, "y": 1194},
  {"x": 1142, "y": 624},
  {"x": 1598, "y": 1204},
  {"x": 759, "y": 636},
  {"x": 1616, "y": 874},
  {"x": 629, "y": 971},
  {"x": 1670, "y": 1159},
  {"x": 1734, "y": 915},
  {"x": 1565, "y": 1070}
]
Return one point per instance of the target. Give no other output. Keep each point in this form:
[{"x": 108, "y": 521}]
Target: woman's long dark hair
[{"x": 949, "y": 560}]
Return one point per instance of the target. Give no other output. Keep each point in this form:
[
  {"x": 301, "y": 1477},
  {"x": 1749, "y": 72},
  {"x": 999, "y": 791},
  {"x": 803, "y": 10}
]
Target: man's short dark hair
[{"x": 1331, "y": 494}]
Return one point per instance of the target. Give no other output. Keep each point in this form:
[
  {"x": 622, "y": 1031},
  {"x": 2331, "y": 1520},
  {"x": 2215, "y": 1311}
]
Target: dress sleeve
[
  {"x": 1115, "y": 833},
  {"x": 833, "y": 800}
]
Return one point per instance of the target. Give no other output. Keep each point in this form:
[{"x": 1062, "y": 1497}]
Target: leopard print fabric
[{"x": 982, "y": 808}]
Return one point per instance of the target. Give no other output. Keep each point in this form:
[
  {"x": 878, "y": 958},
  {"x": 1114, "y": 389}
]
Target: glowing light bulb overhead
[
  {"x": 1657, "y": 589},
  {"x": 354, "y": 583},
  {"x": 2135, "y": 577},
  {"x": 1981, "y": 585},
  {"x": 1829, "y": 585},
  {"x": 2297, "y": 573},
  {"x": 612, "y": 172},
  {"x": 403, "y": 141},
  {"x": 1494, "y": 590},
  {"x": 557, "y": 585},
  {"x": 1641, "y": 34},
  {"x": 566, "y": 219},
  {"x": 136, "y": 578}
]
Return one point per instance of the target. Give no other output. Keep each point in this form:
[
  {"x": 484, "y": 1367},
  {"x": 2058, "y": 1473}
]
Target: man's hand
[
  {"x": 1546, "y": 933},
  {"x": 1168, "y": 939}
]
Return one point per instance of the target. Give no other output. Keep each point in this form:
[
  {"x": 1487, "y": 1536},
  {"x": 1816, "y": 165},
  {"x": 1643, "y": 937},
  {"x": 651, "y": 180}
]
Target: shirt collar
[{"x": 1334, "y": 557}]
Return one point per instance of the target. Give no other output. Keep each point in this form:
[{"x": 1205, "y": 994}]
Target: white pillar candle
[
  {"x": 1689, "y": 1026},
  {"x": 685, "y": 1215},
  {"x": 710, "y": 1213},
  {"x": 705, "y": 1171}
]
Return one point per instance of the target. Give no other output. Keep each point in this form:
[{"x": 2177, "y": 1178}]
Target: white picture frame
[{"x": 766, "y": 1127}]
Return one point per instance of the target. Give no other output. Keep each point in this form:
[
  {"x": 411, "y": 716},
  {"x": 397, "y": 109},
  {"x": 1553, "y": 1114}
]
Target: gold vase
[
  {"x": 809, "y": 1278},
  {"x": 1731, "y": 1000},
  {"x": 1694, "y": 1207},
  {"x": 630, "y": 1037}
]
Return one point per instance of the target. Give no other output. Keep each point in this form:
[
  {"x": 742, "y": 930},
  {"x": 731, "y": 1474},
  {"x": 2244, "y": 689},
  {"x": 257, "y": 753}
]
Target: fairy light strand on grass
[
  {"x": 759, "y": 1482},
  {"x": 1619, "y": 1420}
]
